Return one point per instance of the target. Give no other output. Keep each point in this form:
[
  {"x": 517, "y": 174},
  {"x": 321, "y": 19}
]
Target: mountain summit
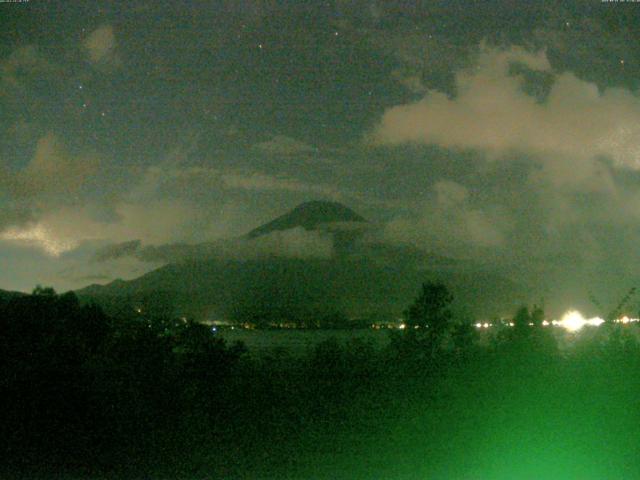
[
  {"x": 360, "y": 279},
  {"x": 309, "y": 215}
]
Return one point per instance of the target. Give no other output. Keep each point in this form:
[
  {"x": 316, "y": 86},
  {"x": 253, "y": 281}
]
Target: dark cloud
[
  {"x": 292, "y": 243},
  {"x": 19, "y": 70},
  {"x": 118, "y": 250}
]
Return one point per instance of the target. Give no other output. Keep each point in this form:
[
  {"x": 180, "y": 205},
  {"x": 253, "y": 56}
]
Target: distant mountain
[
  {"x": 360, "y": 280},
  {"x": 310, "y": 216}
]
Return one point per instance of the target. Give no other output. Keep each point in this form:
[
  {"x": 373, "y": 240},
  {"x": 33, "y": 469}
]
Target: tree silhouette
[
  {"x": 429, "y": 317},
  {"x": 521, "y": 321},
  {"x": 529, "y": 340},
  {"x": 537, "y": 315},
  {"x": 464, "y": 336},
  {"x": 43, "y": 291}
]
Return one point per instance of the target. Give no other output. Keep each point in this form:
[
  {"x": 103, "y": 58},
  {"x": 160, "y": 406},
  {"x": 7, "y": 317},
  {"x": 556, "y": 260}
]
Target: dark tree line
[
  {"x": 125, "y": 395},
  {"x": 78, "y": 388}
]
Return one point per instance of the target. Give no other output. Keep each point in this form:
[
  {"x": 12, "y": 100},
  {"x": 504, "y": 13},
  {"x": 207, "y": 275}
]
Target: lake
[{"x": 299, "y": 341}]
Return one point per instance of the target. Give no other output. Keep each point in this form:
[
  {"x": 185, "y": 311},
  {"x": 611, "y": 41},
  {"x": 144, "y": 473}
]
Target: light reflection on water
[{"x": 299, "y": 341}]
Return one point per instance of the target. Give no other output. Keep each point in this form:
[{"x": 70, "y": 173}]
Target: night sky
[{"x": 502, "y": 132}]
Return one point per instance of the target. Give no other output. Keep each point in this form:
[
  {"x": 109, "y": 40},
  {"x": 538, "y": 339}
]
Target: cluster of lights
[
  {"x": 626, "y": 320},
  {"x": 571, "y": 321},
  {"x": 574, "y": 321},
  {"x": 483, "y": 325}
]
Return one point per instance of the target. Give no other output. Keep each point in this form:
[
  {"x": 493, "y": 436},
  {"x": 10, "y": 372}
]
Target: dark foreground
[{"x": 87, "y": 396}]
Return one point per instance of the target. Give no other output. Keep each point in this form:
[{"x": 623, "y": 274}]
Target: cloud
[
  {"x": 13, "y": 213},
  {"x": 413, "y": 83},
  {"x": 263, "y": 182},
  {"x": 165, "y": 253},
  {"x": 167, "y": 177},
  {"x": 39, "y": 236},
  {"x": 53, "y": 171},
  {"x": 51, "y": 203},
  {"x": 492, "y": 113},
  {"x": 448, "y": 222},
  {"x": 293, "y": 243},
  {"x": 117, "y": 250},
  {"x": 51, "y": 179},
  {"x": 283, "y": 145},
  {"x": 68, "y": 227},
  {"x": 100, "y": 46},
  {"x": 93, "y": 278},
  {"x": 173, "y": 177},
  {"x": 19, "y": 67}
]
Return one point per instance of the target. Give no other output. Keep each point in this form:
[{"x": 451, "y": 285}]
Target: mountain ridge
[
  {"x": 308, "y": 215},
  {"x": 359, "y": 280}
]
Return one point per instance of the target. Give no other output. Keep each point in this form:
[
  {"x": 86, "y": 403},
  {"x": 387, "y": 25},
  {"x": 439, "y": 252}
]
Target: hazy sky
[{"x": 504, "y": 131}]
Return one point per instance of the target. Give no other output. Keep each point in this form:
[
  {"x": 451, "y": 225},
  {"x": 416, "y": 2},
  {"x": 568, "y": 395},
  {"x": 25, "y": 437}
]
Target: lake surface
[{"x": 299, "y": 341}]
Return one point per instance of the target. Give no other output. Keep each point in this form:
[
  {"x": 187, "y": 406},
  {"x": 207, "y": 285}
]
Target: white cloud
[
  {"x": 38, "y": 236},
  {"x": 100, "y": 46},
  {"x": 66, "y": 228},
  {"x": 492, "y": 113}
]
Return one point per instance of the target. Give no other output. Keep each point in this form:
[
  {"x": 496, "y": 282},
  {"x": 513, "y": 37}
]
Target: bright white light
[
  {"x": 595, "y": 322},
  {"x": 571, "y": 321},
  {"x": 574, "y": 321}
]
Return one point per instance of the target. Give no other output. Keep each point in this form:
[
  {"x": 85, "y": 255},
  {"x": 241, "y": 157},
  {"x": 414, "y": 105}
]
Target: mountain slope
[
  {"x": 361, "y": 281},
  {"x": 309, "y": 215}
]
